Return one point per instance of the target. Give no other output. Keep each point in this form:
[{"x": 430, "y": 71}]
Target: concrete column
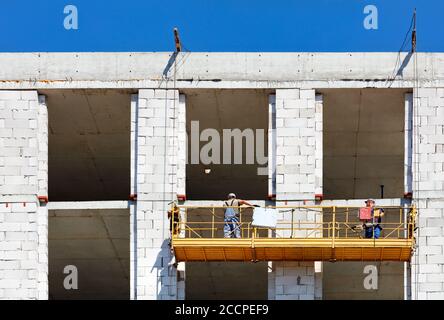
[
  {"x": 319, "y": 176},
  {"x": 156, "y": 135},
  {"x": 428, "y": 182},
  {"x": 318, "y": 144},
  {"x": 408, "y": 178},
  {"x": 42, "y": 214},
  {"x": 318, "y": 265},
  {"x": 181, "y": 136},
  {"x": 295, "y": 185},
  {"x": 408, "y": 142},
  {"x": 133, "y": 192},
  {"x": 272, "y": 145},
  {"x": 271, "y": 272},
  {"x": 23, "y": 226}
]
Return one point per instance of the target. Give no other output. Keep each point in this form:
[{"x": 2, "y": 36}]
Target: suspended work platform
[{"x": 315, "y": 233}]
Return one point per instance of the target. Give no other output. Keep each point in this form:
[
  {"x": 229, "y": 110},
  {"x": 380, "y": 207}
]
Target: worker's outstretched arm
[{"x": 241, "y": 202}]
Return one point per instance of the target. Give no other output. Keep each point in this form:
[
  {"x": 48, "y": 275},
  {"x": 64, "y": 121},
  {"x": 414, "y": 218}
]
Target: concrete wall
[
  {"x": 23, "y": 266},
  {"x": 156, "y": 164},
  {"x": 295, "y": 183},
  {"x": 216, "y": 70},
  {"x": 428, "y": 185},
  {"x": 295, "y": 151},
  {"x": 291, "y": 280},
  {"x": 42, "y": 210}
]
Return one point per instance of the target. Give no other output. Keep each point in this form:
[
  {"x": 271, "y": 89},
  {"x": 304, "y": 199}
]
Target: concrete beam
[
  {"x": 86, "y": 205},
  {"x": 215, "y": 70},
  {"x": 360, "y": 202}
]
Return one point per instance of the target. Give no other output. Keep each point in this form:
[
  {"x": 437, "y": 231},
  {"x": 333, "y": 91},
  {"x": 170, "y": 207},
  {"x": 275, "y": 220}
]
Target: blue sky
[{"x": 224, "y": 25}]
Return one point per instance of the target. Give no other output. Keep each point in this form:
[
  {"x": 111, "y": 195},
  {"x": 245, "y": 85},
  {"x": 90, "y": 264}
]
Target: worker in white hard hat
[
  {"x": 372, "y": 227},
  {"x": 231, "y": 218}
]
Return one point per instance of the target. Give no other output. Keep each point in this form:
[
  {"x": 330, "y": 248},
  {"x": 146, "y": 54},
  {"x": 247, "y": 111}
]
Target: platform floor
[{"x": 308, "y": 249}]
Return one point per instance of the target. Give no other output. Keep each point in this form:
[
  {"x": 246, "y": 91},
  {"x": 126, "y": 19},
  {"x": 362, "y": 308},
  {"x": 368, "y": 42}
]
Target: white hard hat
[{"x": 231, "y": 195}]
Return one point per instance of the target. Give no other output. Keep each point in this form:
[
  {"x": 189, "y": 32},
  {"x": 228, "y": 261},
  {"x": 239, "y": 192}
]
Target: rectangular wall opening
[
  {"x": 345, "y": 281},
  {"x": 89, "y": 144},
  {"x": 88, "y": 166},
  {"x": 363, "y": 134},
  {"x": 226, "y": 280},
  {"x": 96, "y": 243},
  {"x": 218, "y": 110},
  {"x": 363, "y": 143}
]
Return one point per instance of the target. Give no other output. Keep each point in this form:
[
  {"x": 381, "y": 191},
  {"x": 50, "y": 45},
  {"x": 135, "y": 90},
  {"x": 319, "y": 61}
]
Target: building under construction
[{"x": 96, "y": 148}]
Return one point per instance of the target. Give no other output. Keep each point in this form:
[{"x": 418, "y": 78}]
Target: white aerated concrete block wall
[
  {"x": 133, "y": 191},
  {"x": 42, "y": 141},
  {"x": 42, "y": 212},
  {"x": 296, "y": 153},
  {"x": 284, "y": 278},
  {"x": 291, "y": 280},
  {"x": 428, "y": 185},
  {"x": 180, "y": 132},
  {"x": 408, "y": 142},
  {"x": 272, "y": 145},
  {"x": 23, "y": 225},
  {"x": 157, "y": 165},
  {"x": 319, "y": 148},
  {"x": 18, "y": 125}
]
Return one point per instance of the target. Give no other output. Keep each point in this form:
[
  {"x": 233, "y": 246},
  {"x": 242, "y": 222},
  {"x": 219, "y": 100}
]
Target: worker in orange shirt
[{"x": 372, "y": 227}]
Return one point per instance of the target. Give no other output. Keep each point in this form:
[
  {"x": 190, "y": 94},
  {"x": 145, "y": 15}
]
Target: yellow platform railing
[
  {"x": 302, "y": 233},
  {"x": 332, "y": 222}
]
